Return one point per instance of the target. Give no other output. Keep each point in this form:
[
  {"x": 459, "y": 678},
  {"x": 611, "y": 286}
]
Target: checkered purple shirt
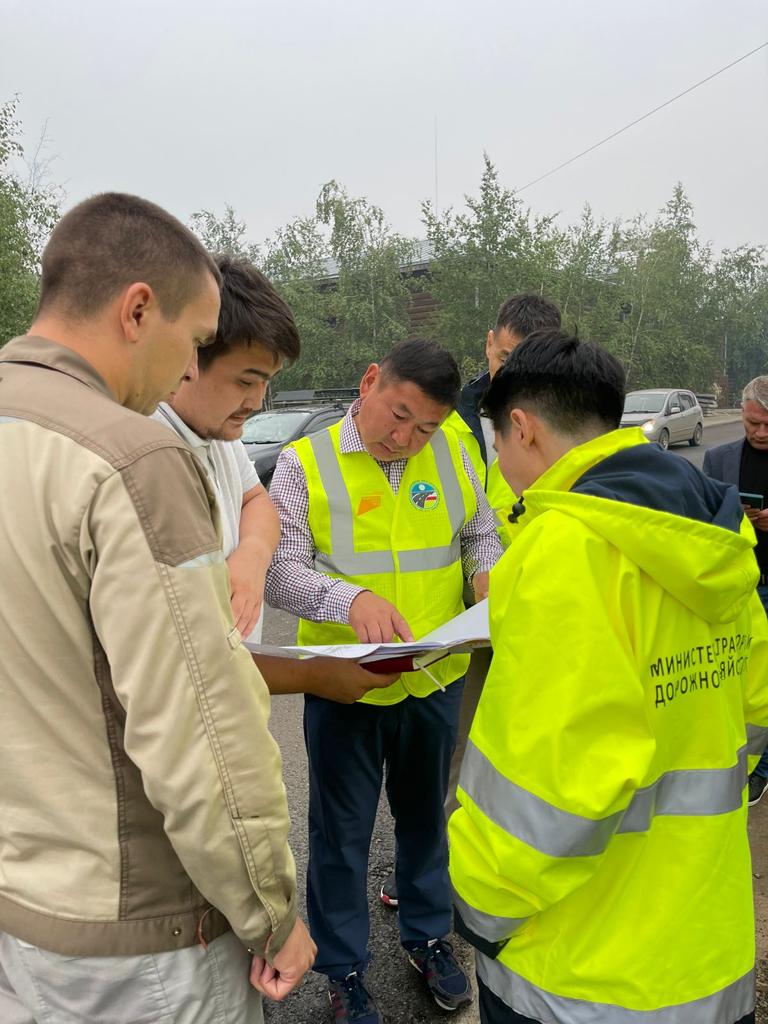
[{"x": 292, "y": 581}]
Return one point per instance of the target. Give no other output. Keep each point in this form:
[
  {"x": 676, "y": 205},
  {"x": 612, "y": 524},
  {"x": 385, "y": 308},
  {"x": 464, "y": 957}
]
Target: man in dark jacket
[
  {"x": 518, "y": 317},
  {"x": 745, "y": 464}
]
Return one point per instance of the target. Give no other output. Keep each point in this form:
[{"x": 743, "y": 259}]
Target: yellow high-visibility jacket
[
  {"x": 599, "y": 856},
  {"x": 405, "y": 547},
  {"x": 500, "y": 495}
]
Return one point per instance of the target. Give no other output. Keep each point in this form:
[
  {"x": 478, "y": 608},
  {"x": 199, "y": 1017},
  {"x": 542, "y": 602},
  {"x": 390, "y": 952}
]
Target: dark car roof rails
[{"x": 316, "y": 396}]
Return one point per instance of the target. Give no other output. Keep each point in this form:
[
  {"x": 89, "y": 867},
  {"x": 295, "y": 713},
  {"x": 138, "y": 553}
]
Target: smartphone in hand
[{"x": 755, "y": 501}]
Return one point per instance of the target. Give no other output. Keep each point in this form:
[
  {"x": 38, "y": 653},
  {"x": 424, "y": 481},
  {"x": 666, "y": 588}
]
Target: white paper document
[{"x": 461, "y": 635}]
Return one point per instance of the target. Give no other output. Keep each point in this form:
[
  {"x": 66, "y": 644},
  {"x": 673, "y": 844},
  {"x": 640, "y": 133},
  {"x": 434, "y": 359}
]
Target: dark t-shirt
[{"x": 753, "y": 477}]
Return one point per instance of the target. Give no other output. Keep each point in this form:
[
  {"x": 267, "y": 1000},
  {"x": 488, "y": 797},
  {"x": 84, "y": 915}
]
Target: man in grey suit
[{"x": 745, "y": 464}]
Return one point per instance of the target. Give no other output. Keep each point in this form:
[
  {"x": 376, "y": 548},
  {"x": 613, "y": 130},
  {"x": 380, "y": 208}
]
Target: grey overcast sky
[{"x": 195, "y": 105}]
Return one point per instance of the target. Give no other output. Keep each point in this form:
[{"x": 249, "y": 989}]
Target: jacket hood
[{"x": 684, "y": 530}]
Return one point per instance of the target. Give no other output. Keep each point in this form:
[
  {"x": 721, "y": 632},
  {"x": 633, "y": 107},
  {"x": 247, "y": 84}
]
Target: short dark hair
[
  {"x": 113, "y": 240},
  {"x": 252, "y": 313},
  {"x": 426, "y": 364},
  {"x": 526, "y": 313},
  {"x": 570, "y": 383}
]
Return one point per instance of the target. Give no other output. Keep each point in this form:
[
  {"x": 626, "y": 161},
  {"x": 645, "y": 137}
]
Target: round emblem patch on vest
[{"x": 424, "y": 496}]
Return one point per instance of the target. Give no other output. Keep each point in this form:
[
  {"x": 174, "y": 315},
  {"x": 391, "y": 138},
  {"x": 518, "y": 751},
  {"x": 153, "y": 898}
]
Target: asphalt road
[
  {"x": 717, "y": 430},
  {"x": 398, "y": 989}
]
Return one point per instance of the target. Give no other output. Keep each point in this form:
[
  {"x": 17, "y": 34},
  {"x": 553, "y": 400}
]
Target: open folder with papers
[{"x": 461, "y": 635}]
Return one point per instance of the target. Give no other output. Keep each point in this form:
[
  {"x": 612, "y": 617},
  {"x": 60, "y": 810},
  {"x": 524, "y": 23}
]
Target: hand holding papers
[{"x": 459, "y": 636}]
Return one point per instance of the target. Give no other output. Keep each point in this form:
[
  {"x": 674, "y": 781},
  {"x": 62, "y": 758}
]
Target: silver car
[{"x": 664, "y": 415}]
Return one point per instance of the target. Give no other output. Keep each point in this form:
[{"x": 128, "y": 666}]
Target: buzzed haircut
[
  {"x": 252, "y": 313},
  {"x": 526, "y": 313},
  {"x": 111, "y": 241},
  {"x": 427, "y": 365},
  {"x": 571, "y": 384}
]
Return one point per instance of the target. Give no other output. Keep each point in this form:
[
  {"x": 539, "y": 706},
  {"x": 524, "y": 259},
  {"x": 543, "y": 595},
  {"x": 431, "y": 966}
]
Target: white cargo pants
[{"x": 186, "y": 986}]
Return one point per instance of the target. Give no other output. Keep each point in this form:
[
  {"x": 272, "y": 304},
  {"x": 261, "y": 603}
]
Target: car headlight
[{"x": 648, "y": 426}]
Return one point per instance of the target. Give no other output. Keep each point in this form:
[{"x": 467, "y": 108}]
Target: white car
[{"x": 665, "y": 415}]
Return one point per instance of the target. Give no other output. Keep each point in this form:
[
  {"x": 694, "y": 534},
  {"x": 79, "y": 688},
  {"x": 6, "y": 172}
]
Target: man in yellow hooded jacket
[{"x": 599, "y": 857}]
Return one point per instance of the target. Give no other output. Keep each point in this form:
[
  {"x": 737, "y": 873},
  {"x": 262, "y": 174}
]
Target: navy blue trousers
[
  {"x": 349, "y": 746},
  {"x": 494, "y": 1011}
]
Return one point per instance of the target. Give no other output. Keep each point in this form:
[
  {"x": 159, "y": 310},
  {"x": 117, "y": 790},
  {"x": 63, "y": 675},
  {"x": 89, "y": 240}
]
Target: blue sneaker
[
  {"x": 351, "y": 1001},
  {"x": 445, "y": 980}
]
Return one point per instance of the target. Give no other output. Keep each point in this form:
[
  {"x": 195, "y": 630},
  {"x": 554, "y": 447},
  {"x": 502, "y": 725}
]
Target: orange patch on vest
[{"x": 368, "y": 502}]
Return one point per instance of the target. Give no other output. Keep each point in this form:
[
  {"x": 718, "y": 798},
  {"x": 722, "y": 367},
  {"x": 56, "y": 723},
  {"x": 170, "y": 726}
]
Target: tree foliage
[
  {"x": 482, "y": 256},
  {"x": 224, "y": 235},
  {"x": 28, "y": 211},
  {"x": 297, "y": 262},
  {"x": 341, "y": 273},
  {"x": 649, "y": 290},
  {"x": 675, "y": 312},
  {"x": 369, "y": 299}
]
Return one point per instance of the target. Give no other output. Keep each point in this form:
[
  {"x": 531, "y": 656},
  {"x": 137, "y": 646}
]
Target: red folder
[{"x": 385, "y": 666}]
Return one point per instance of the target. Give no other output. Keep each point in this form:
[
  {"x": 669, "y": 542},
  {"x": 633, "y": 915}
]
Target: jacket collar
[
  {"x": 469, "y": 408},
  {"x": 472, "y": 393},
  {"x": 349, "y": 437},
  {"x": 36, "y": 351},
  {"x": 732, "y": 461}
]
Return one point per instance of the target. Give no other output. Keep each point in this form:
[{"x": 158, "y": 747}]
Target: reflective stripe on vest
[
  {"x": 558, "y": 833},
  {"x": 757, "y": 737},
  {"x": 344, "y": 560},
  {"x": 489, "y": 926},
  {"x": 729, "y": 1004}
]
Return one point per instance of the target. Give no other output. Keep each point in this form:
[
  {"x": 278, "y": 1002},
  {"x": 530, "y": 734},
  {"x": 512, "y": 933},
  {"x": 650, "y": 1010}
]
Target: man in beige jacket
[{"x": 143, "y": 851}]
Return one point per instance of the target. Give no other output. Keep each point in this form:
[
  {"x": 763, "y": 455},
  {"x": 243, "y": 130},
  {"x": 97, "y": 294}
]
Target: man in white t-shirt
[
  {"x": 256, "y": 337},
  {"x": 249, "y": 523}
]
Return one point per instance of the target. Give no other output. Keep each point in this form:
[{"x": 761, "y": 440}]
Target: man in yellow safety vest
[{"x": 383, "y": 519}]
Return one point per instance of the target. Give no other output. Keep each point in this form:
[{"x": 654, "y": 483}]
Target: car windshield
[
  {"x": 272, "y": 427},
  {"x": 651, "y": 402}
]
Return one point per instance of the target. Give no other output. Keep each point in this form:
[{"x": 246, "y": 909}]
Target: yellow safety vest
[
  {"x": 460, "y": 427},
  {"x": 500, "y": 496},
  {"x": 404, "y": 547},
  {"x": 601, "y": 839}
]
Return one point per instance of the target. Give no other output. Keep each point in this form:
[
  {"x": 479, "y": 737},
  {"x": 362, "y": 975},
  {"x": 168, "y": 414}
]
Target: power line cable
[{"x": 637, "y": 120}]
